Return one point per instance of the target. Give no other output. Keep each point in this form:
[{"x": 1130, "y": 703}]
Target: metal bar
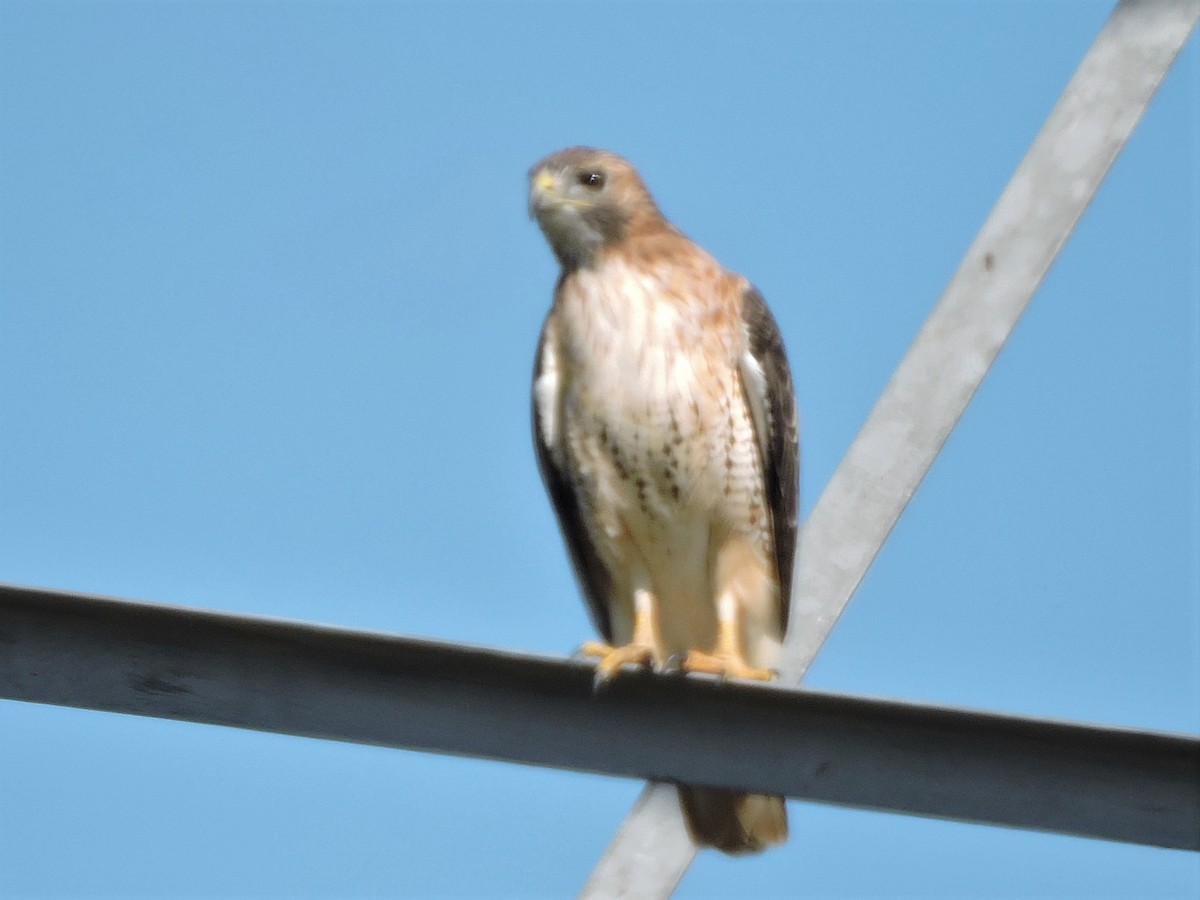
[
  {"x": 316, "y": 681},
  {"x": 945, "y": 365}
]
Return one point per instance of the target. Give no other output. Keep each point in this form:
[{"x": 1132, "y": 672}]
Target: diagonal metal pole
[{"x": 945, "y": 365}]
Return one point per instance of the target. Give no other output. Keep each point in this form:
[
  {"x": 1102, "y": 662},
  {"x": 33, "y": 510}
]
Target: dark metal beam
[{"x": 316, "y": 681}]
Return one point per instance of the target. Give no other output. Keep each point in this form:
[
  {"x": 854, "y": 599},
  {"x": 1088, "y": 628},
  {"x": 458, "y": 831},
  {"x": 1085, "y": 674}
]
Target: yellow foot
[
  {"x": 613, "y": 658},
  {"x": 727, "y": 665}
]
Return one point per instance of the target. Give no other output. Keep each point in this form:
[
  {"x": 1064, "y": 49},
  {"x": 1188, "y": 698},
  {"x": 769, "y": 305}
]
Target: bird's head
[{"x": 585, "y": 199}]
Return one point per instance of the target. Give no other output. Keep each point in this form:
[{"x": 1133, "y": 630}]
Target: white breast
[{"x": 660, "y": 437}]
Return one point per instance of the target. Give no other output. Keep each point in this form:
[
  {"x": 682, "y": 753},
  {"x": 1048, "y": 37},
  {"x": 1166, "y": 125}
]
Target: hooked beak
[{"x": 542, "y": 192}]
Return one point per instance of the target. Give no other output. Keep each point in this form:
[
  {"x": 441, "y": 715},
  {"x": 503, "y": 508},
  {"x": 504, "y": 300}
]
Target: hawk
[{"x": 666, "y": 433}]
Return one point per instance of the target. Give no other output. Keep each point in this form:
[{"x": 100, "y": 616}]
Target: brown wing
[
  {"x": 593, "y": 576},
  {"x": 767, "y": 381}
]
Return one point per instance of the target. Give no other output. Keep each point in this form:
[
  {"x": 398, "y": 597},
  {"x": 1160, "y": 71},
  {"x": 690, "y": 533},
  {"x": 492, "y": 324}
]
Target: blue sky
[{"x": 268, "y": 303}]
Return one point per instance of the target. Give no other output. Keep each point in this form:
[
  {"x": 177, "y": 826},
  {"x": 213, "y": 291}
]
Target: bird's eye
[{"x": 591, "y": 179}]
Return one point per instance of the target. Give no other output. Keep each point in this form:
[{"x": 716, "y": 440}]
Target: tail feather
[{"x": 733, "y": 822}]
